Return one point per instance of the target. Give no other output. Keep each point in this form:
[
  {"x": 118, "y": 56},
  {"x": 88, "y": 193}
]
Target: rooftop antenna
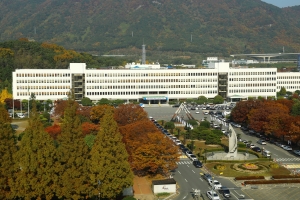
[
  {"x": 283, "y": 49},
  {"x": 34, "y": 30},
  {"x": 143, "y": 53},
  {"x": 191, "y": 37},
  {"x": 131, "y": 33}
]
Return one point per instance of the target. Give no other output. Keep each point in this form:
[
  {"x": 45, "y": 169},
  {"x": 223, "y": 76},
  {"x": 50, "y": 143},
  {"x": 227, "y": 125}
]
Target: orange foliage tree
[
  {"x": 129, "y": 113},
  {"x": 149, "y": 150},
  {"x": 53, "y": 131},
  {"x": 60, "y": 105},
  {"x": 270, "y": 117},
  {"x": 294, "y": 131},
  {"x": 240, "y": 112},
  {"x": 97, "y": 112},
  {"x": 89, "y": 128}
]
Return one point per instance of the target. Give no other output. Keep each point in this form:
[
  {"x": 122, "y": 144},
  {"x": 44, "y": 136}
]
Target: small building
[{"x": 166, "y": 185}]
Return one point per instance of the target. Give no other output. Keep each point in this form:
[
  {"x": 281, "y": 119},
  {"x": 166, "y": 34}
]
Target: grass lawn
[{"x": 230, "y": 172}]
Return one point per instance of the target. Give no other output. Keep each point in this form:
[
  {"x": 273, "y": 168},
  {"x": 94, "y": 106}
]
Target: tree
[
  {"x": 89, "y": 128},
  {"x": 205, "y": 124},
  {"x": 202, "y": 100},
  {"x": 218, "y": 99},
  {"x": 103, "y": 101},
  {"x": 169, "y": 125},
  {"x": 97, "y": 112},
  {"x": 53, "y": 131},
  {"x": 36, "y": 160},
  {"x": 86, "y": 101},
  {"x": 107, "y": 153},
  {"x": 7, "y": 150},
  {"x": 73, "y": 155},
  {"x": 296, "y": 109},
  {"x": 282, "y": 91},
  {"x": 4, "y": 95},
  {"x": 129, "y": 113}
]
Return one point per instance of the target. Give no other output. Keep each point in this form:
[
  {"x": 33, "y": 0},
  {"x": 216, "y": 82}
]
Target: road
[{"x": 188, "y": 177}]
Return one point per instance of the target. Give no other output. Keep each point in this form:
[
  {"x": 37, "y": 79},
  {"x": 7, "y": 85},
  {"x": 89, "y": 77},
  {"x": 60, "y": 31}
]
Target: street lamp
[{"x": 99, "y": 195}]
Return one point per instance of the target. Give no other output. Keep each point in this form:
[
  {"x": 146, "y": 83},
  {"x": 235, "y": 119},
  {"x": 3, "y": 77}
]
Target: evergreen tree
[
  {"x": 7, "y": 150},
  {"x": 73, "y": 153},
  {"x": 36, "y": 161},
  {"x": 109, "y": 169}
]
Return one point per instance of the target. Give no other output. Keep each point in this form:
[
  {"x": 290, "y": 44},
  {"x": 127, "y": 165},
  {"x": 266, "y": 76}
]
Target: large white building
[{"x": 155, "y": 85}]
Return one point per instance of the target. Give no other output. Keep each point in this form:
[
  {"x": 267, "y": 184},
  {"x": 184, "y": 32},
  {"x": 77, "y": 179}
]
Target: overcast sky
[{"x": 283, "y": 3}]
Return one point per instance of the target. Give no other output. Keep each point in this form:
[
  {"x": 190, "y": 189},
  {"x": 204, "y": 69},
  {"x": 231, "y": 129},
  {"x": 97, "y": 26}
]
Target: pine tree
[
  {"x": 36, "y": 162},
  {"x": 109, "y": 169},
  {"x": 73, "y": 154},
  {"x": 7, "y": 150}
]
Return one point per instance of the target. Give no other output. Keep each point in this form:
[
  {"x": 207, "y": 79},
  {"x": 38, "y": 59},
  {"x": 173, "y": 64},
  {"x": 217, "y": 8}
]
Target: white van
[{"x": 267, "y": 153}]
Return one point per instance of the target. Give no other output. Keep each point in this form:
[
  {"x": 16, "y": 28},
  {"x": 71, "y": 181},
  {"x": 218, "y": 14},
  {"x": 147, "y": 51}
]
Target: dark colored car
[
  {"x": 197, "y": 164},
  {"x": 257, "y": 149},
  {"x": 207, "y": 177},
  {"x": 225, "y": 192},
  {"x": 181, "y": 146}
]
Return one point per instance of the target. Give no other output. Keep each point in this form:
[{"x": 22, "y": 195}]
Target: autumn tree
[
  {"x": 271, "y": 117},
  {"x": 53, "y": 131},
  {"x": 36, "y": 161},
  {"x": 7, "y": 150},
  {"x": 145, "y": 143},
  {"x": 157, "y": 155},
  {"x": 4, "y": 95},
  {"x": 108, "y": 165},
  {"x": 240, "y": 112},
  {"x": 89, "y": 128},
  {"x": 97, "y": 112},
  {"x": 73, "y": 153},
  {"x": 129, "y": 113}
]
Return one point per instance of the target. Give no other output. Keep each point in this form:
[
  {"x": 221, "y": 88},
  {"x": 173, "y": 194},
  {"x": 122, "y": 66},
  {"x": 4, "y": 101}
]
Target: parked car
[
  {"x": 225, "y": 192},
  {"x": 193, "y": 157},
  {"x": 184, "y": 150},
  {"x": 250, "y": 145},
  {"x": 188, "y": 153},
  {"x": 297, "y": 152},
  {"x": 212, "y": 195},
  {"x": 197, "y": 164},
  {"x": 257, "y": 149},
  {"x": 197, "y": 112},
  {"x": 215, "y": 184},
  {"x": 207, "y": 177},
  {"x": 262, "y": 142},
  {"x": 288, "y": 148}
]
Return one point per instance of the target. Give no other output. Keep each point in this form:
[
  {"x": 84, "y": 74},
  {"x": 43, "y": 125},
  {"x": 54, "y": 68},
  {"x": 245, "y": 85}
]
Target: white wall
[{"x": 169, "y": 188}]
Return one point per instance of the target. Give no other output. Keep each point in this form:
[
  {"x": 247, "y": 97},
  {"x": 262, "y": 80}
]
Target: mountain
[{"x": 221, "y": 27}]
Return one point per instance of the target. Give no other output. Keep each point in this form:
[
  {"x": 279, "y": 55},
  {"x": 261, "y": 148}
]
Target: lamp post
[{"x": 99, "y": 195}]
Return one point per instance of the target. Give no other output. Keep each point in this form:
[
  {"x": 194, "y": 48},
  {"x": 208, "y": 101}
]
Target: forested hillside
[
  {"x": 218, "y": 27},
  {"x": 22, "y": 54}
]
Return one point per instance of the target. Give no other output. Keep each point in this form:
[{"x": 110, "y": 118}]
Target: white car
[
  {"x": 212, "y": 195},
  {"x": 177, "y": 142},
  {"x": 193, "y": 157},
  {"x": 197, "y": 112},
  {"x": 205, "y": 113},
  {"x": 262, "y": 142},
  {"x": 215, "y": 184},
  {"x": 288, "y": 148}
]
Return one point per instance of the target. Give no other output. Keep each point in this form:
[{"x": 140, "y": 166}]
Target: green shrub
[
  {"x": 163, "y": 194},
  {"x": 129, "y": 198},
  {"x": 220, "y": 167}
]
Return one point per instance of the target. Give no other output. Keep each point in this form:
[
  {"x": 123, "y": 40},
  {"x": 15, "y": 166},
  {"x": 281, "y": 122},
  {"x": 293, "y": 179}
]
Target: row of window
[
  {"x": 42, "y": 93},
  {"x": 110, "y": 87},
  {"x": 251, "y": 73},
  {"x": 45, "y": 81},
  {"x": 254, "y": 79},
  {"x": 148, "y": 74},
  {"x": 252, "y": 84},
  {"x": 149, "y": 80},
  {"x": 252, "y": 90},
  {"x": 288, "y": 77},
  {"x": 43, "y": 74},
  {"x": 143, "y": 93},
  {"x": 297, "y": 87},
  {"x": 43, "y": 87},
  {"x": 288, "y": 82}
]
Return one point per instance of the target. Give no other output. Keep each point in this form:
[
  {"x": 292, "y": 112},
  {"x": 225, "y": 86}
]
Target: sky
[{"x": 283, "y": 3}]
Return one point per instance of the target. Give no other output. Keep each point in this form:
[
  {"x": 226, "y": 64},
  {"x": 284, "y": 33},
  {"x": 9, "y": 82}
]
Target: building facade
[{"x": 151, "y": 85}]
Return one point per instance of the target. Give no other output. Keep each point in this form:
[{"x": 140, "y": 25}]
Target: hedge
[
  {"x": 285, "y": 176},
  {"x": 271, "y": 182},
  {"x": 249, "y": 178}
]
